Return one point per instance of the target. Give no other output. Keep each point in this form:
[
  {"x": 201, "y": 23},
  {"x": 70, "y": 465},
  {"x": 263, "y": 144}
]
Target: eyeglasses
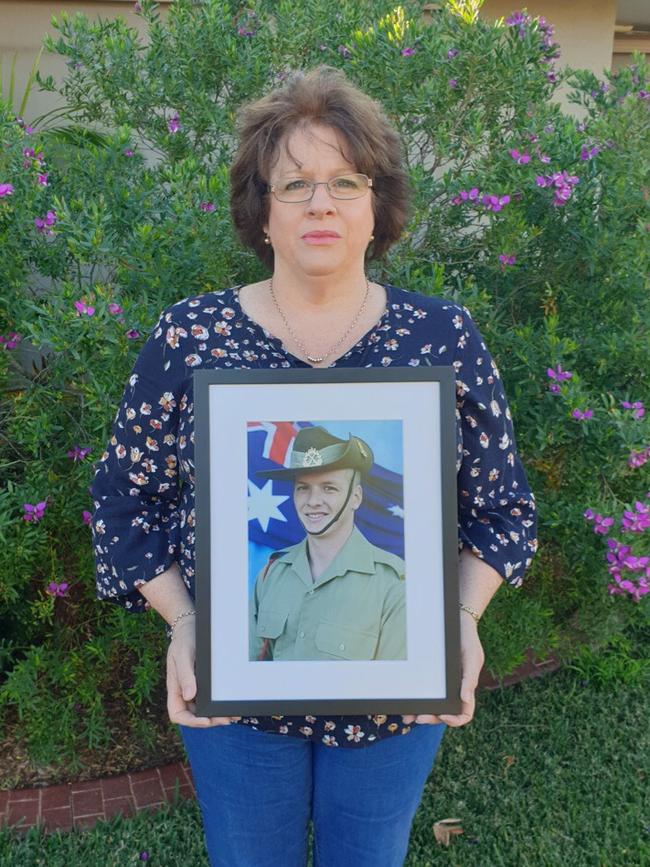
[{"x": 302, "y": 190}]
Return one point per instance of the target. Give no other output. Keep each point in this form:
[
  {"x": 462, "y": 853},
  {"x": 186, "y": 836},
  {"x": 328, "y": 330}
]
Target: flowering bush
[{"x": 534, "y": 219}]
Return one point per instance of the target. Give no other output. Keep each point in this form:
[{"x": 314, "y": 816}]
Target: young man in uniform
[{"x": 334, "y": 595}]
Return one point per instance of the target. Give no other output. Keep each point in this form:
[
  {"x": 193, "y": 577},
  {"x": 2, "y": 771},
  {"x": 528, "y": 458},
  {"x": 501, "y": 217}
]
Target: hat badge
[{"x": 312, "y": 458}]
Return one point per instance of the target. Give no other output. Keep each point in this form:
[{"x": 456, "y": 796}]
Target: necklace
[{"x": 298, "y": 341}]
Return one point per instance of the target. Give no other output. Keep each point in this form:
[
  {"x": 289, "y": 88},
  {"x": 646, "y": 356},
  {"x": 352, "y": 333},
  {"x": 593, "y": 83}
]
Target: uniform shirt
[
  {"x": 144, "y": 482},
  {"x": 355, "y": 610}
]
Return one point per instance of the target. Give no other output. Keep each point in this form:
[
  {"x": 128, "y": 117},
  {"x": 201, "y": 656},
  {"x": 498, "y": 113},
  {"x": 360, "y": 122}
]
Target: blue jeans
[{"x": 258, "y": 791}]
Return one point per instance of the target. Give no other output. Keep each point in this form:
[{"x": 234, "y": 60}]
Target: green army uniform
[{"x": 355, "y": 610}]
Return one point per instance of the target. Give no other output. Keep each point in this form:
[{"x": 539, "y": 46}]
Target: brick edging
[{"x": 81, "y": 805}]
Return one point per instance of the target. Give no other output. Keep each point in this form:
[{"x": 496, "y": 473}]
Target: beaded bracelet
[
  {"x": 476, "y": 616},
  {"x": 170, "y": 628}
]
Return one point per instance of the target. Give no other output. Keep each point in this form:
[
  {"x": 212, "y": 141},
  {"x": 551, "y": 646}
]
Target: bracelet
[
  {"x": 476, "y": 616},
  {"x": 170, "y": 628}
]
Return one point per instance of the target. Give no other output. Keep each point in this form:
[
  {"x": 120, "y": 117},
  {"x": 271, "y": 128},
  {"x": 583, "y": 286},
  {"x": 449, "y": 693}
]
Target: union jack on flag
[{"x": 272, "y": 520}]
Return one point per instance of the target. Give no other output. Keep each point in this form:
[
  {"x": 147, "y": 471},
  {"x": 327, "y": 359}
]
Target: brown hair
[{"x": 324, "y": 96}]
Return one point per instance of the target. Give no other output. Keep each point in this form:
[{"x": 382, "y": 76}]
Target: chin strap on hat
[{"x": 340, "y": 511}]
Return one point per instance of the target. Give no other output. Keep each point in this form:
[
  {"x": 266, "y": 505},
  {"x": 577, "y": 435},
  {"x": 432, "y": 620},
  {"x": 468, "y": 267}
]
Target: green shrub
[{"x": 553, "y": 269}]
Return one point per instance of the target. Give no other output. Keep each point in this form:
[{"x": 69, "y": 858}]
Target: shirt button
[
  {"x": 311, "y": 593},
  {"x": 301, "y": 634},
  {"x": 341, "y": 646}
]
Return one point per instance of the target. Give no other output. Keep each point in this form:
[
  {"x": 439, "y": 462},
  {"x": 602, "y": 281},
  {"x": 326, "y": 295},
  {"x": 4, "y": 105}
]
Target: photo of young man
[{"x": 333, "y": 595}]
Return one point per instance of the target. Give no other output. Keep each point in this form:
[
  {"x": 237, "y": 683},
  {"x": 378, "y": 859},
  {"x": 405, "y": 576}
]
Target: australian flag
[{"x": 272, "y": 520}]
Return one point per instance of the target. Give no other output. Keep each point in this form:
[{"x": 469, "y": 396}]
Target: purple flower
[
  {"x": 552, "y": 77},
  {"x": 517, "y": 19},
  {"x": 466, "y": 196},
  {"x": 601, "y": 525},
  {"x": 407, "y": 52},
  {"x": 114, "y": 308},
  {"x": 505, "y": 259},
  {"x": 137, "y": 8},
  {"x": 562, "y": 184},
  {"x": 87, "y": 517},
  {"x": 56, "y": 589},
  {"x": 174, "y": 124},
  {"x": 453, "y": 83},
  {"x": 132, "y": 334},
  {"x": 144, "y": 856},
  {"x": 542, "y": 157},
  {"x": 42, "y": 179},
  {"x": 577, "y": 413},
  {"x": 638, "y": 520},
  {"x": 11, "y": 341},
  {"x": 637, "y": 406},
  {"x": 453, "y": 52},
  {"x": 208, "y": 207},
  {"x": 128, "y": 152},
  {"x": 587, "y": 153},
  {"x": 344, "y": 52},
  {"x": 6, "y": 190},
  {"x": 520, "y": 158},
  {"x": 34, "y": 513},
  {"x": 495, "y": 203},
  {"x": 637, "y": 459},
  {"x": 77, "y": 453},
  {"x": 557, "y": 376},
  {"x": 82, "y": 308},
  {"x": 43, "y": 223}
]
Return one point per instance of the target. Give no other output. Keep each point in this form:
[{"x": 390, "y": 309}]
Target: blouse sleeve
[
  {"x": 135, "y": 489},
  {"x": 496, "y": 508}
]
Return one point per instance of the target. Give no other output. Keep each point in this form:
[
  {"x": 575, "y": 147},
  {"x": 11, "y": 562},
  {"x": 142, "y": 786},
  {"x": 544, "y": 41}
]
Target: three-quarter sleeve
[
  {"x": 135, "y": 489},
  {"x": 496, "y": 508}
]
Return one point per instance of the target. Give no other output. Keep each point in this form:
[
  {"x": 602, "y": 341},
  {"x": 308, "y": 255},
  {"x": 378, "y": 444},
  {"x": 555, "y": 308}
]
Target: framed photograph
[{"x": 326, "y": 542}]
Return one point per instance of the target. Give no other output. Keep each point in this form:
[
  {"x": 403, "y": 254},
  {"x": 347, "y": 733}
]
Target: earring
[
  {"x": 372, "y": 237},
  {"x": 267, "y": 239}
]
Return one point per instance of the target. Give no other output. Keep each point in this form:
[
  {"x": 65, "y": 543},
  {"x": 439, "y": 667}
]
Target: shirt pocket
[
  {"x": 270, "y": 624},
  {"x": 345, "y": 642}
]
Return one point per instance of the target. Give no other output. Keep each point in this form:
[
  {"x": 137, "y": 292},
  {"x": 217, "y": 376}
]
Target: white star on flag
[
  {"x": 263, "y": 504},
  {"x": 398, "y": 511}
]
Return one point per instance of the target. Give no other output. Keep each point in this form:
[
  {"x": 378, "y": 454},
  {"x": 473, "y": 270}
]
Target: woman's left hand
[{"x": 472, "y": 658}]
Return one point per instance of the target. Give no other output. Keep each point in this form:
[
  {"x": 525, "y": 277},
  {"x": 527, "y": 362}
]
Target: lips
[{"x": 320, "y": 239}]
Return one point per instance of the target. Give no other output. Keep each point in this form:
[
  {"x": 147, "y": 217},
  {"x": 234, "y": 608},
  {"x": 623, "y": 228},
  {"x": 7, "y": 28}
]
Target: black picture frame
[{"x": 229, "y": 682}]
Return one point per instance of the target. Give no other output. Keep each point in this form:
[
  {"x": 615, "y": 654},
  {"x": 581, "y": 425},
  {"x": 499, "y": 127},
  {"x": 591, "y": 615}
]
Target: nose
[
  {"x": 314, "y": 497},
  {"x": 321, "y": 200}
]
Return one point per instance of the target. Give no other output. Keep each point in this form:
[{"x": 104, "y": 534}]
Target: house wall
[
  {"x": 24, "y": 23},
  {"x": 584, "y": 29}
]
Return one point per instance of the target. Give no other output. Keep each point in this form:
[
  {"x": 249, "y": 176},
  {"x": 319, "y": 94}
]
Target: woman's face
[{"x": 318, "y": 155}]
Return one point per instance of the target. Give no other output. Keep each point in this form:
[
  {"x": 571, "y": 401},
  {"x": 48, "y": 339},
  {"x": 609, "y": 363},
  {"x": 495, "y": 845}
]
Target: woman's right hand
[{"x": 181, "y": 680}]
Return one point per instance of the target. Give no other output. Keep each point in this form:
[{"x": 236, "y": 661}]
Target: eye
[
  {"x": 345, "y": 182},
  {"x": 293, "y": 185}
]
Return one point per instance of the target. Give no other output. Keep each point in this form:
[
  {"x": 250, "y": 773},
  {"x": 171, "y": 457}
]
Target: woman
[{"x": 318, "y": 188}]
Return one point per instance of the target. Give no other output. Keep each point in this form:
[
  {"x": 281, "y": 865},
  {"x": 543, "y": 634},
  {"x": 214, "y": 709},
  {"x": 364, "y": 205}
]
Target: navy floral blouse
[{"x": 143, "y": 487}]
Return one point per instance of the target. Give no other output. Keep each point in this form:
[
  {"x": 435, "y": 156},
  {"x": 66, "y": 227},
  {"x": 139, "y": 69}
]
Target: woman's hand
[
  {"x": 181, "y": 680},
  {"x": 472, "y": 658}
]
